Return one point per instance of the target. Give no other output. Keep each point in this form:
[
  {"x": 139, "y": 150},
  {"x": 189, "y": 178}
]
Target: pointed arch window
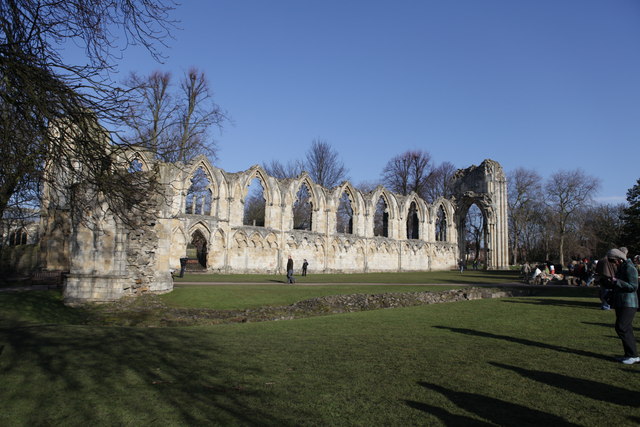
[
  {"x": 302, "y": 209},
  {"x": 254, "y": 204},
  {"x": 199, "y": 195},
  {"x": 441, "y": 225},
  {"x": 413, "y": 223},
  {"x": 381, "y": 219},
  {"x": 344, "y": 215}
]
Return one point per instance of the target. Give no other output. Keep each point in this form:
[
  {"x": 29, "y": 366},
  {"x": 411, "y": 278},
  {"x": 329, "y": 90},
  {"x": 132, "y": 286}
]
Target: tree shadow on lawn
[
  {"x": 526, "y": 342},
  {"x": 498, "y": 412},
  {"x": 591, "y": 389},
  {"x": 90, "y": 375}
]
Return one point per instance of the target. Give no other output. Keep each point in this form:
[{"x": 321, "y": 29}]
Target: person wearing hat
[{"x": 625, "y": 301}]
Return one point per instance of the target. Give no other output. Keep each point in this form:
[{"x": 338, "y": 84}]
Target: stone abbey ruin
[{"x": 202, "y": 214}]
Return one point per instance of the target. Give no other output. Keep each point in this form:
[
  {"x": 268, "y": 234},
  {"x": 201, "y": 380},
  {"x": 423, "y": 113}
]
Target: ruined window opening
[
  {"x": 18, "y": 237},
  {"x": 197, "y": 250},
  {"x": 302, "y": 209},
  {"x": 344, "y": 215},
  {"x": 135, "y": 166},
  {"x": 441, "y": 225},
  {"x": 381, "y": 219},
  {"x": 474, "y": 234},
  {"x": 199, "y": 195},
  {"x": 413, "y": 224},
  {"x": 254, "y": 204}
]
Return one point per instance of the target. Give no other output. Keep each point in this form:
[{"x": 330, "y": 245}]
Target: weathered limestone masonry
[{"x": 107, "y": 260}]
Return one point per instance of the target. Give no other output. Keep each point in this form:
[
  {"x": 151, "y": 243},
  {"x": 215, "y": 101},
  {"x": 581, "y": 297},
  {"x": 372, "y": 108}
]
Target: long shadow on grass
[
  {"x": 555, "y": 302},
  {"x": 90, "y": 375},
  {"x": 525, "y": 342},
  {"x": 591, "y": 389},
  {"x": 446, "y": 417},
  {"x": 500, "y": 412},
  {"x": 606, "y": 325}
]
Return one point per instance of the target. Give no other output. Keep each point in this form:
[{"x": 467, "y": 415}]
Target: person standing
[
  {"x": 290, "y": 278},
  {"x": 625, "y": 301},
  {"x": 305, "y": 264}
]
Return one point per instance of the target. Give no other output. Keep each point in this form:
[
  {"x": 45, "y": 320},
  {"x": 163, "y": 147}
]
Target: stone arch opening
[
  {"x": 473, "y": 236},
  {"x": 254, "y": 204},
  {"x": 381, "y": 218},
  {"x": 197, "y": 251},
  {"x": 18, "y": 237},
  {"x": 413, "y": 222},
  {"x": 199, "y": 195},
  {"x": 303, "y": 209},
  {"x": 441, "y": 225},
  {"x": 344, "y": 214}
]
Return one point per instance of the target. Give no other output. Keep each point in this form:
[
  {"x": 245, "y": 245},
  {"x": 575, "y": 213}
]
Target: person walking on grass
[
  {"x": 305, "y": 265},
  {"x": 625, "y": 301},
  {"x": 290, "y": 278}
]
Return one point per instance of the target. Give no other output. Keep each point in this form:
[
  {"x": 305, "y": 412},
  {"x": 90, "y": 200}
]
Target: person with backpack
[{"x": 624, "y": 285}]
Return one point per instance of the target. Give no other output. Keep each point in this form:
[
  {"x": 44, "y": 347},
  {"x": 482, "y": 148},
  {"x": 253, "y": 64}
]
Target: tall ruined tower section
[
  {"x": 486, "y": 187},
  {"x": 109, "y": 252}
]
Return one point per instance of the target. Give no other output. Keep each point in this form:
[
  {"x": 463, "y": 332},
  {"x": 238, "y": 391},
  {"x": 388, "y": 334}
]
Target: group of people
[
  {"x": 535, "y": 274},
  {"x": 290, "y": 278},
  {"x": 617, "y": 276}
]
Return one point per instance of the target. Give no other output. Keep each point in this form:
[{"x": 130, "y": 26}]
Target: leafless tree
[
  {"x": 49, "y": 108},
  {"x": 524, "y": 199},
  {"x": 279, "y": 170},
  {"x": 439, "y": 183},
  {"x": 324, "y": 165},
  {"x": 567, "y": 192},
  {"x": 174, "y": 126},
  {"x": 407, "y": 172},
  {"x": 601, "y": 228}
]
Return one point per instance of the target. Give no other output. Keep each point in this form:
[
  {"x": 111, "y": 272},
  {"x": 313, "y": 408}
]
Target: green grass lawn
[
  {"x": 543, "y": 360},
  {"x": 469, "y": 277}
]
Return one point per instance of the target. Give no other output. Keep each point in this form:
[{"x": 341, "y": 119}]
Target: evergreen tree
[{"x": 631, "y": 230}]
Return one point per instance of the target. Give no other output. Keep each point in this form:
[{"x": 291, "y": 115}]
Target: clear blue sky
[{"x": 547, "y": 85}]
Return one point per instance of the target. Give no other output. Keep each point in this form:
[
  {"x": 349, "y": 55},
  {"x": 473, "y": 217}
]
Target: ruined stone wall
[
  {"x": 237, "y": 248},
  {"x": 108, "y": 259}
]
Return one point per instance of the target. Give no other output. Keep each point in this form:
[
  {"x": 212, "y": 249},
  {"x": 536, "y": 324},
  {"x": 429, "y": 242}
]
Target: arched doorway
[
  {"x": 473, "y": 238},
  {"x": 197, "y": 252}
]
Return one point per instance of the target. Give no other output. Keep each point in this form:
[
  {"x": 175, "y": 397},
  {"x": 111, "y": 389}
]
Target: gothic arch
[
  {"x": 268, "y": 191},
  {"x": 199, "y": 196},
  {"x": 414, "y": 215},
  {"x": 442, "y": 209},
  {"x": 390, "y": 200},
  {"x": 299, "y": 213}
]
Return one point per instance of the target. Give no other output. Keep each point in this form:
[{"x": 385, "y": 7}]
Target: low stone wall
[{"x": 333, "y": 304}]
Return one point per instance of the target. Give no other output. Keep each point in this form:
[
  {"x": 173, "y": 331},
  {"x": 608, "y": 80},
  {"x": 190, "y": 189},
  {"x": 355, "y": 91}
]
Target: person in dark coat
[
  {"x": 290, "y": 278},
  {"x": 625, "y": 301},
  {"x": 305, "y": 264}
]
